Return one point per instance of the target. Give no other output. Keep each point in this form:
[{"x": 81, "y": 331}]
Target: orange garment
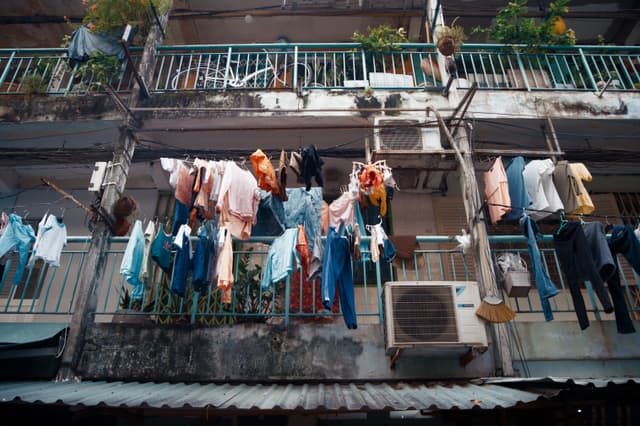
[
  {"x": 370, "y": 178},
  {"x": 225, "y": 269},
  {"x": 184, "y": 186},
  {"x": 379, "y": 198},
  {"x": 324, "y": 218},
  {"x": 302, "y": 246},
  {"x": 263, "y": 169},
  {"x": 496, "y": 191}
]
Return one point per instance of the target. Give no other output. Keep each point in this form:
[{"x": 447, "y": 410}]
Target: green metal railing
[
  {"x": 576, "y": 68},
  {"x": 48, "y": 71},
  {"x": 292, "y": 66},
  {"x": 561, "y": 303},
  {"x": 337, "y": 66},
  {"x": 48, "y": 294}
]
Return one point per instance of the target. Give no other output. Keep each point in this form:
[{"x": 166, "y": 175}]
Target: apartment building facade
[{"x": 223, "y": 81}]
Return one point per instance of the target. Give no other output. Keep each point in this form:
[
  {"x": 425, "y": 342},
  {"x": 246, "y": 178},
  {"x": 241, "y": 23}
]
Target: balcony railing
[
  {"x": 306, "y": 66},
  {"x": 48, "y": 294},
  {"x": 292, "y": 66},
  {"x": 48, "y": 71},
  {"x": 577, "y": 68}
]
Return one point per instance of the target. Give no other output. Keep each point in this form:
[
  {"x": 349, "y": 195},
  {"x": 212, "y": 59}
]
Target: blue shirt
[
  {"x": 517, "y": 190},
  {"x": 280, "y": 258},
  {"x": 18, "y": 237}
]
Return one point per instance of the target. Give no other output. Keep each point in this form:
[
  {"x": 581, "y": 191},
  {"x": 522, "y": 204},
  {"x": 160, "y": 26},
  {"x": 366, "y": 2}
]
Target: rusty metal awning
[{"x": 333, "y": 397}]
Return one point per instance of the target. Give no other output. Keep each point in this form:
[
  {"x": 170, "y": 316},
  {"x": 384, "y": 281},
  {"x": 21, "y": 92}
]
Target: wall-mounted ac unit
[
  {"x": 437, "y": 317},
  {"x": 405, "y": 134}
]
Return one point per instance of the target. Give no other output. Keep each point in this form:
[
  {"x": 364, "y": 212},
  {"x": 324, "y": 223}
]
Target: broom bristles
[{"x": 495, "y": 312}]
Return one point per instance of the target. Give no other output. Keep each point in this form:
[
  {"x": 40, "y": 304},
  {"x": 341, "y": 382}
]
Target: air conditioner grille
[
  {"x": 424, "y": 314},
  {"x": 402, "y": 137}
]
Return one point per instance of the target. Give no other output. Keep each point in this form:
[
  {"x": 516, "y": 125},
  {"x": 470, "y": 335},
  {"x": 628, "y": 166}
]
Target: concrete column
[{"x": 93, "y": 270}]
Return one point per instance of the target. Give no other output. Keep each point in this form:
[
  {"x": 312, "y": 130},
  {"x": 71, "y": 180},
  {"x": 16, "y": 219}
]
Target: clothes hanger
[
  {"x": 563, "y": 222},
  {"x": 608, "y": 226}
]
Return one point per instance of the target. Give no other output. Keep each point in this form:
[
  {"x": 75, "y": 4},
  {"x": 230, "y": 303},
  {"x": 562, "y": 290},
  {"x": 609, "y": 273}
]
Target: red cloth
[{"x": 310, "y": 304}]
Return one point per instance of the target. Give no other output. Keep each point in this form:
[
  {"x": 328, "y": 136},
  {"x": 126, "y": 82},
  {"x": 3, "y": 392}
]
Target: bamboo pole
[{"x": 480, "y": 241}]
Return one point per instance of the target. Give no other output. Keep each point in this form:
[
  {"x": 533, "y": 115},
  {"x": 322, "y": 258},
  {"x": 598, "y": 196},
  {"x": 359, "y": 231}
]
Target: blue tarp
[
  {"x": 84, "y": 43},
  {"x": 15, "y": 334}
]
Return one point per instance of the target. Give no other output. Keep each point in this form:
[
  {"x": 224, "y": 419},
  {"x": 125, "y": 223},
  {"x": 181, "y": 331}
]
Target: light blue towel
[{"x": 132, "y": 261}]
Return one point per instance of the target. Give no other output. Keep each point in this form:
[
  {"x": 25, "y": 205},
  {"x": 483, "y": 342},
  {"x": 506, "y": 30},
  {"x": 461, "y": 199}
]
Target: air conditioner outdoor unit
[
  {"x": 437, "y": 317},
  {"x": 405, "y": 134}
]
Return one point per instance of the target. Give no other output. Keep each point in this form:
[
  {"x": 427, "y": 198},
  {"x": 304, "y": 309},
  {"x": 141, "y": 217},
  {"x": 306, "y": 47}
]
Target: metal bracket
[{"x": 394, "y": 358}]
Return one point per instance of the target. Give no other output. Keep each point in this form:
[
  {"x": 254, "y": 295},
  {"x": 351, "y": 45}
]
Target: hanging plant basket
[{"x": 446, "y": 45}]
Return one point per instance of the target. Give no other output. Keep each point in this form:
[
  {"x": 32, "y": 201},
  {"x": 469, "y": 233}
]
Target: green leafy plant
[
  {"x": 250, "y": 298},
  {"x": 98, "y": 70},
  {"x": 511, "y": 26},
  {"x": 382, "y": 38},
  {"x": 34, "y": 83},
  {"x": 110, "y": 16}
]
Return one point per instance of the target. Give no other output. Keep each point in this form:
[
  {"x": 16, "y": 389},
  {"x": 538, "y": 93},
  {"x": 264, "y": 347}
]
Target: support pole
[
  {"x": 479, "y": 237},
  {"x": 96, "y": 258}
]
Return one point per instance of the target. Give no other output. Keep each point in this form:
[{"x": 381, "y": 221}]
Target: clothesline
[{"x": 600, "y": 216}]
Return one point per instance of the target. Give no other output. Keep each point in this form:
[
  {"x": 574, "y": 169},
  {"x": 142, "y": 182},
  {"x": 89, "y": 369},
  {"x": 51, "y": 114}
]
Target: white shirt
[
  {"x": 149, "y": 234},
  {"x": 52, "y": 237},
  {"x": 538, "y": 180},
  {"x": 172, "y": 166}
]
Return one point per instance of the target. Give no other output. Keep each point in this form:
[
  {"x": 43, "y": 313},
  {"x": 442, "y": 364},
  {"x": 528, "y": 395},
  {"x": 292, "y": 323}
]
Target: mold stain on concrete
[
  {"x": 367, "y": 102},
  {"x": 584, "y": 107}
]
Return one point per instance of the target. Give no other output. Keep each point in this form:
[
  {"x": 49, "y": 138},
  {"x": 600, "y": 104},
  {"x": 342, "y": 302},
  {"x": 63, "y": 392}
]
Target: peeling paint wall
[{"x": 332, "y": 103}]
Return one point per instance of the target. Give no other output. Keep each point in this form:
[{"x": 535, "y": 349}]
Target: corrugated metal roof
[
  {"x": 595, "y": 382},
  {"x": 288, "y": 397}
]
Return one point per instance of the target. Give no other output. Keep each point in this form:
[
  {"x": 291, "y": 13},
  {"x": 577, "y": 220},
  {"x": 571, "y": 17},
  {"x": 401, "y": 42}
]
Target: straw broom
[{"x": 492, "y": 308}]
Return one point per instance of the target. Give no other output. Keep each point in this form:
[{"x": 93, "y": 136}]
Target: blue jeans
[
  {"x": 180, "y": 217},
  {"x": 304, "y": 208},
  {"x": 546, "y": 288},
  {"x": 336, "y": 270},
  {"x": 200, "y": 261},
  {"x": 181, "y": 267}
]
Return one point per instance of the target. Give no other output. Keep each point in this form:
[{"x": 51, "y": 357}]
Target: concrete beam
[{"x": 257, "y": 352}]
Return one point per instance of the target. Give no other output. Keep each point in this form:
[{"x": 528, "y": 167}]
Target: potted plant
[
  {"x": 380, "y": 43},
  {"x": 512, "y": 27},
  {"x": 109, "y": 17},
  {"x": 450, "y": 38}
]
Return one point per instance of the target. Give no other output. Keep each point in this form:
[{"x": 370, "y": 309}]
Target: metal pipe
[{"x": 278, "y": 110}]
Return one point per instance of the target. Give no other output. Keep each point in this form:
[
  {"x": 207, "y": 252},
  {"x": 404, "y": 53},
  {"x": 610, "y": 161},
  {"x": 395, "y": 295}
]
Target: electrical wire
[{"x": 15, "y": 194}]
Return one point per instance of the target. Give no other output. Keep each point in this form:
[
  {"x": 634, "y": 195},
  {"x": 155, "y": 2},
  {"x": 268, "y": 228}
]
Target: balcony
[
  {"x": 48, "y": 294},
  {"x": 336, "y": 66},
  {"x": 267, "y": 334}
]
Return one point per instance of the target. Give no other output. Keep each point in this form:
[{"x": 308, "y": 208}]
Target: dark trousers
[
  {"x": 577, "y": 264},
  {"x": 623, "y": 241}
]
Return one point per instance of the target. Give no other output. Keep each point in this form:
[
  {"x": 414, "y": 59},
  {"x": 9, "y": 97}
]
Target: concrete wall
[
  {"x": 260, "y": 352},
  {"x": 560, "y": 348},
  {"x": 257, "y": 352}
]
